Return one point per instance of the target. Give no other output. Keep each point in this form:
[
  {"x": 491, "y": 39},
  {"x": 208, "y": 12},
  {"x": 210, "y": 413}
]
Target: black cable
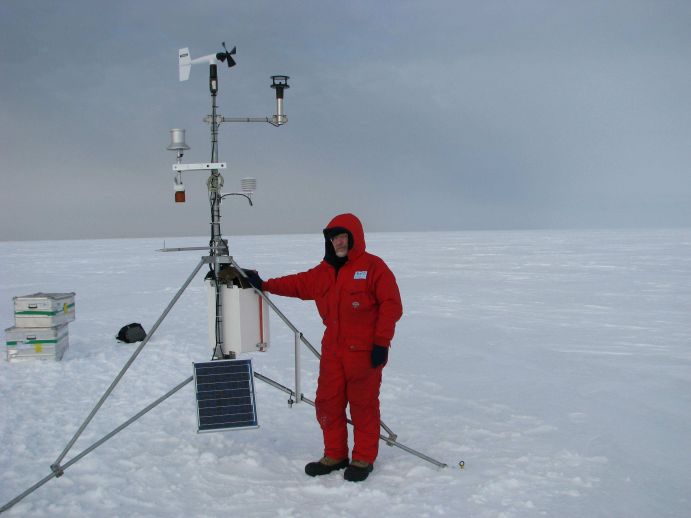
[{"x": 238, "y": 194}]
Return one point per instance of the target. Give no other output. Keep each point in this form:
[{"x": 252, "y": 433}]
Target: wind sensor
[{"x": 185, "y": 62}]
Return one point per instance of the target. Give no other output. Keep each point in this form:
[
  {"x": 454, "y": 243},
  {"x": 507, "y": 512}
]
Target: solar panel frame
[{"x": 225, "y": 396}]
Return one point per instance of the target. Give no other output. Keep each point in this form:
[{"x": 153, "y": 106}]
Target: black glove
[
  {"x": 254, "y": 279},
  {"x": 379, "y": 355}
]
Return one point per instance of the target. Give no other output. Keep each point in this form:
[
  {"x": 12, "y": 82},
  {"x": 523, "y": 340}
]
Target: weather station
[
  {"x": 238, "y": 313},
  {"x": 224, "y": 290},
  {"x": 238, "y": 316}
]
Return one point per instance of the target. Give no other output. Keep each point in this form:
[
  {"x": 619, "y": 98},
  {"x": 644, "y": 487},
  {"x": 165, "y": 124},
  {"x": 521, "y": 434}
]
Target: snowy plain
[{"x": 555, "y": 364}]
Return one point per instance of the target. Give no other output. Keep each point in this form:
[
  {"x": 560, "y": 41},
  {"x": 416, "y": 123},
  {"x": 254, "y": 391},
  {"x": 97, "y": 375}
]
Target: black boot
[
  {"x": 324, "y": 466},
  {"x": 357, "y": 471}
]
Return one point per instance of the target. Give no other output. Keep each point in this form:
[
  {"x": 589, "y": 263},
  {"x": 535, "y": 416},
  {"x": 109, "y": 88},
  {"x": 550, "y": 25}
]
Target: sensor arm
[
  {"x": 279, "y": 84},
  {"x": 275, "y": 120},
  {"x": 207, "y": 166}
]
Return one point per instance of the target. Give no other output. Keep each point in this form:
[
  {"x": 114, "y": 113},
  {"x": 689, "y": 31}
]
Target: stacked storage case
[{"x": 40, "y": 326}]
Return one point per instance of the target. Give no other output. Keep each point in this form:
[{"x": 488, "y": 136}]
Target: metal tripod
[{"x": 296, "y": 396}]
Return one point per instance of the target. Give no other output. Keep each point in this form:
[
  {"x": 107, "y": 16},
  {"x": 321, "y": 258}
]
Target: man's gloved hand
[
  {"x": 380, "y": 355},
  {"x": 254, "y": 279}
]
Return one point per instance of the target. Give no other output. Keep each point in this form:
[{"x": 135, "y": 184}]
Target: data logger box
[{"x": 245, "y": 319}]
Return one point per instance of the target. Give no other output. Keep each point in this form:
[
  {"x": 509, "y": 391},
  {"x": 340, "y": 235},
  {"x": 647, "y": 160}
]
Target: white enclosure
[{"x": 245, "y": 319}]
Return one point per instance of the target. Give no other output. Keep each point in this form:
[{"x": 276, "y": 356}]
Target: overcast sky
[{"x": 414, "y": 115}]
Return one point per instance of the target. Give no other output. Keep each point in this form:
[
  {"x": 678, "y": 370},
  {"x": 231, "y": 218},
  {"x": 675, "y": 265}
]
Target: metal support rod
[
  {"x": 27, "y": 492},
  {"x": 388, "y": 440},
  {"x": 247, "y": 119},
  {"x": 214, "y": 181},
  {"x": 218, "y": 323},
  {"x": 279, "y": 109},
  {"x": 214, "y": 185},
  {"x": 214, "y": 128},
  {"x": 388, "y": 430},
  {"x": 59, "y": 470},
  {"x": 298, "y": 391},
  {"x": 276, "y": 120},
  {"x": 129, "y": 362},
  {"x": 310, "y": 346}
]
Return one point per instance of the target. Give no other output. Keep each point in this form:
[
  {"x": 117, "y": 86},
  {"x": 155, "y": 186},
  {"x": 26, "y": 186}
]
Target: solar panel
[{"x": 225, "y": 395}]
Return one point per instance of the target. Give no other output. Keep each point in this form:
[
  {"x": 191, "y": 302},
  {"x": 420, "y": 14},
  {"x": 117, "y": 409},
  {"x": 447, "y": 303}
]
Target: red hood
[{"x": 353, "y": 225}]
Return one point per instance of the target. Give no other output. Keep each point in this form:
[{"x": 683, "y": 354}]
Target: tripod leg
[{"x": 56, "y": 464}]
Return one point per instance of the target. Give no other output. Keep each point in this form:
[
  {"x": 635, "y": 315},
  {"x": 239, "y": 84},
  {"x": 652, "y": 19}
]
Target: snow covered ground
[{"x": 556, "y": 364}]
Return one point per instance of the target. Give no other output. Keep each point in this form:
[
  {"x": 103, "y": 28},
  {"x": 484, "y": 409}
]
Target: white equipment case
[
  {"x": 44, "y": 309},
  {"x": 245, "y": 319},
  {"x": 36, "y": 343}
]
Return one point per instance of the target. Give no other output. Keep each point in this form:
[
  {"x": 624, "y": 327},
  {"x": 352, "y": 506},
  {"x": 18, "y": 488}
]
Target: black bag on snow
[{"x": 131, "y": 333}]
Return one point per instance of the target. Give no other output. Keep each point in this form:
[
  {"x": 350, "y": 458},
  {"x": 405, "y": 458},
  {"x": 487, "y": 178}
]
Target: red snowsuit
[{"x": 359, "y": 303}]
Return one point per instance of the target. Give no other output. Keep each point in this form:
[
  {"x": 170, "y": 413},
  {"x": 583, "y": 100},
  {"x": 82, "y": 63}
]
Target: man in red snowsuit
[{"x": 359, "y": 302}]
